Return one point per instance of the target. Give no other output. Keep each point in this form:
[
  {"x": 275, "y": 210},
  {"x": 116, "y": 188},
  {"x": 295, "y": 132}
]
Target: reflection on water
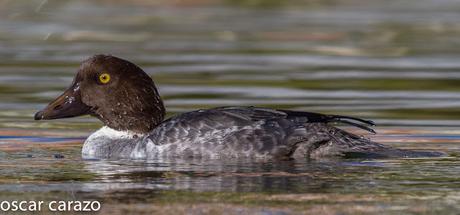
[
  {"x": 392, "y": 61},
  {"x": 337, "y": 183}
]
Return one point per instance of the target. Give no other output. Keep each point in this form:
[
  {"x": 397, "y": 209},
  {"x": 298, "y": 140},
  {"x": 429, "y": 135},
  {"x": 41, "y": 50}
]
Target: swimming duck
[{"x": 125, "y": 99}]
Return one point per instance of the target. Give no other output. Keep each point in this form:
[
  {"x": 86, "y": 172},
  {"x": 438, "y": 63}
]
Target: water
[{"x": 395, "y": 62}]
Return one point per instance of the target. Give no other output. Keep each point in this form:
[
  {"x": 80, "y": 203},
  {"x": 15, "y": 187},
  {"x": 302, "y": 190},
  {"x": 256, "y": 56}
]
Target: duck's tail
[
  {"x": 354, "y": 146},
  {"x": 344, "y": 144},
  {"x": 327, "y": 140},
  {"x": 348, "y": 120}
]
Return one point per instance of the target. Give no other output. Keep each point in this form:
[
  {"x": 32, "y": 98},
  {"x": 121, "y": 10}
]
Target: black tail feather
[
  {"x": 368, "y": 122},
  {"x": 317, "y": 117},
  {"x": 364, "y": 127},
  {"x": 362, "y": 123}
]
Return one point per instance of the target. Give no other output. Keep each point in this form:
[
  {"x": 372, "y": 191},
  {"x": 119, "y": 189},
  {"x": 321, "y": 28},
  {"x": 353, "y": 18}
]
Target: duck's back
[
  {"x": 233, "y": 132},
  {"x": 258, "y": 132}
]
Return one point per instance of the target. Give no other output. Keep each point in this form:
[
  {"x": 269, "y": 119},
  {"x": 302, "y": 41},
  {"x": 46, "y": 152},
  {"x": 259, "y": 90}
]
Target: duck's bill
[{"x": 69, "y": 104}]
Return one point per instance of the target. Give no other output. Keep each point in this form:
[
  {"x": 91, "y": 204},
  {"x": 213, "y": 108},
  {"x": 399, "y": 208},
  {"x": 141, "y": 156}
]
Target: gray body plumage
[{"x": 240, "y": 132}]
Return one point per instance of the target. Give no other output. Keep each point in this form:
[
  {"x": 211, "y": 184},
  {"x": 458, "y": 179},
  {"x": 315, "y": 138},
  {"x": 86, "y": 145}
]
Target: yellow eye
[{"x": 104, "y": 78}]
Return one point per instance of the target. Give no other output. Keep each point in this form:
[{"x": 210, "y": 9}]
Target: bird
[{"x": 126, "y": 100}]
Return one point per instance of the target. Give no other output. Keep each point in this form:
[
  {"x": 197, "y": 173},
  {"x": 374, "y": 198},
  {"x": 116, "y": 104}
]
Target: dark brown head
[{"x": 115, "y": 91}]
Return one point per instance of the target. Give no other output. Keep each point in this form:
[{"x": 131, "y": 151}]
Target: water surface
[{"x": 393, "y": 61}]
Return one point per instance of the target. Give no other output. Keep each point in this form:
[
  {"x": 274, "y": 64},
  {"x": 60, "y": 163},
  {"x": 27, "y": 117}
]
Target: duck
[{"x": 126, "y": 100}]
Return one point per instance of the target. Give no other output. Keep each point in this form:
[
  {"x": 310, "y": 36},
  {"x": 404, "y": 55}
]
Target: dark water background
[{"x": 396, "y": 62}]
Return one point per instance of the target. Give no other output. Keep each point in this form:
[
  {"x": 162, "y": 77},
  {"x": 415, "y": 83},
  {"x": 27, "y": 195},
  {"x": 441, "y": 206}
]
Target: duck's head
[{"x": 115, "y": 91}]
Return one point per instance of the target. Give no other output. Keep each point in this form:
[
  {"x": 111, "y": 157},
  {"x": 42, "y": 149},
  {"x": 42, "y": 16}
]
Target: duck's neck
[{"x": 137, "y": 116}]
